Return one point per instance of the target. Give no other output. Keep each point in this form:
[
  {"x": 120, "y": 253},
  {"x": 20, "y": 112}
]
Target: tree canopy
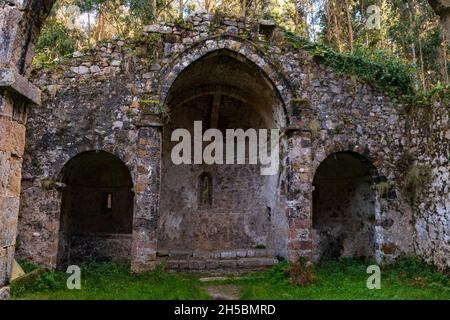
[{"x": 408, "y": 32}]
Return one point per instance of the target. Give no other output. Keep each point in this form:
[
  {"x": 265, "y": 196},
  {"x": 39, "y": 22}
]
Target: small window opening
[
  {"x": 205, "y": 198},
  {"x": 107, "y": 203}
]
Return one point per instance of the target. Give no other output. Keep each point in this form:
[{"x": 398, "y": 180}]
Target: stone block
[
  {"x": 81, "y": 70},
  {"x": 9, "y": 210},
  {"x": 162, "y": 253},
  {"x": 256, "y": 262},
  {"x": 260, "y": 253},
  {"x": 216, "y": 254},
  {"x": 228, "y": 254},
  {"x": 183, "y": 264},
  {"x": 12, "y": 137},
  {"x": 4, "y": 293},
  {"x": 211, "y": 264},
  {"x": 12, "y": 81},
  {"x": 241, "y": 253},
  {"x": 201, "y": 254},
  {"x": 227, "y": 263},
  {"x": 172, "y": 264},
  {"x": 251, "y": 252},
  {"x": 196, "y": 264},
  {"x": 180, "y": 254},
  {"x": 6, "y": 263}
]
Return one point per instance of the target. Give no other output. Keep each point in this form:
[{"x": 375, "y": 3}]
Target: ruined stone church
[{"x": 93, "y": 177}]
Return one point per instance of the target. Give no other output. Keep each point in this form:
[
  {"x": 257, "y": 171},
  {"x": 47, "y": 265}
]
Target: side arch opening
[
  {"x": 344, "y": 207},
  {"x": 96, "y": 209}
]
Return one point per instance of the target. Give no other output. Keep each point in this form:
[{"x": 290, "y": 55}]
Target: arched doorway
[
  {"x": 213, "y": 207},
  {"x": 343, "y": 207},
  {"x": 96, "y": 209}
]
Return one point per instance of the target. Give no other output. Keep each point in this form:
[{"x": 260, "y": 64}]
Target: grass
[
  {"x": 346, "y": 279},
  {"x": 107, "y": 281}
]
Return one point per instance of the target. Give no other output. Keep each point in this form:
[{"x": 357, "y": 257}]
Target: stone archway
[
  {"x": 223, "y": 211},
  {"x": 20, "y": 29},
  {"x": 344, "y": 207},
  {"x": 244, "y": 50},
  {"x": 96, "y": 209}
]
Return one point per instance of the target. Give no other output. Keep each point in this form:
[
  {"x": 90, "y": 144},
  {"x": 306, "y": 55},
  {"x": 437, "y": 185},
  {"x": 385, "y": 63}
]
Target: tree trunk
[
  {"x": 363, "y": 14},
  {"x": 413, "y": 44},
  {"x": 328, "y": 18},
  {"x": 422, "y": 68},
  {"x": 100, "y": 28},
  {"x": 153, "y": 7},
  {"x": 349, "y": 25},
  {"x": 89, "y": 29},
  {"x": 180, "y": 8},
  {"x": 442, "y": 58},
  {"x": 416, "y": 35},
  {"x": 337, "y": 26}
]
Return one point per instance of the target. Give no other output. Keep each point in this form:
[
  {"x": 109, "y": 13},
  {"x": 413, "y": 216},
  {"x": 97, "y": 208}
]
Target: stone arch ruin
[
  {"x": 112, "y": 99},
  {"x": 96, "y": 209},
  {"x": 224, "y": 90},
  {"x": 243, "y": 50},
  {"x": 344, "y": 207}
]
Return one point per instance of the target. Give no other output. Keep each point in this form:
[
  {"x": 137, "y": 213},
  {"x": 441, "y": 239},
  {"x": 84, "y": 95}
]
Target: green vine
[
  {"x": 386, "y": 74},
  {"x": 147, "y": 45},
  {"x": 413, "y": 177},
  {"x": 182, "y": 23}
]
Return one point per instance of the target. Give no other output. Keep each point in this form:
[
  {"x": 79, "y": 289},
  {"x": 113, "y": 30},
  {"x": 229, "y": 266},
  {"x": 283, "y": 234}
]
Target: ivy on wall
[{"x": 385, "y": 73}]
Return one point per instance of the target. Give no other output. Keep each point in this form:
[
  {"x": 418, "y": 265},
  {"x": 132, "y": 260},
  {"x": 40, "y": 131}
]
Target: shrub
[{"x": 301, "y": 273}]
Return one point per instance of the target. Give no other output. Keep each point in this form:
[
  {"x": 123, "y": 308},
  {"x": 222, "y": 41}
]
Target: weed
[
  {"x": 314, "y": 126},
  {"x": 301, "y": 273}
]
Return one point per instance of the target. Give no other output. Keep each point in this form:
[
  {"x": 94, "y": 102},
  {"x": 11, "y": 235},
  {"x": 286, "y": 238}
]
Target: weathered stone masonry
[
  {"x": 20, "y": 24},
  {"x": 109, "y": 99},
  {"x": 429, "y": 141}
]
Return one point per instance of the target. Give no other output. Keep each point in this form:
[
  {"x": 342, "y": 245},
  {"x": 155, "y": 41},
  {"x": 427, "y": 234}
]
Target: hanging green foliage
[{"x": 381, "y": 70}]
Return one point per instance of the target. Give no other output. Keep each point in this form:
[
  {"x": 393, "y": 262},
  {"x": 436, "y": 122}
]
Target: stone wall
[
  {"x": 101, "y": 247},
  {"x": 429, "y": 134},
  {"x": 11, "y": 149},
  {"x": 242, "y": 203},
  {"x": 343, "y": 208},
  {"x": 114, "y": 97},
  {"x": 84, "y": 119},
  {"x": 20, "y": 24}
]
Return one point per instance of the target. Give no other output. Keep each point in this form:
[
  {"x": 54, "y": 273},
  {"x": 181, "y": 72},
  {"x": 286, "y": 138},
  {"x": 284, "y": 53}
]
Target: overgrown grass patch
[
  {"x": 344, "y": 279},
  {"x": 108, "y": 281}
]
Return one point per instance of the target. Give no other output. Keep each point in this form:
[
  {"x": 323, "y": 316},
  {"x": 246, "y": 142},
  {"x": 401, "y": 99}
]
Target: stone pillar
[
  {"x": 20, "y": 24},
  {"x": 146, "y": 203},
  {"x": 299, "y": 195},
  {"x": 16, "y": 93}
]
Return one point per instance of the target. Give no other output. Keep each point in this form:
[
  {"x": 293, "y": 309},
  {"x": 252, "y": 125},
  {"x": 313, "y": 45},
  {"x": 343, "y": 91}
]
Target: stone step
[
  {"x": 210, "y": 264},
  {"x": 230, "y": 254}
]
